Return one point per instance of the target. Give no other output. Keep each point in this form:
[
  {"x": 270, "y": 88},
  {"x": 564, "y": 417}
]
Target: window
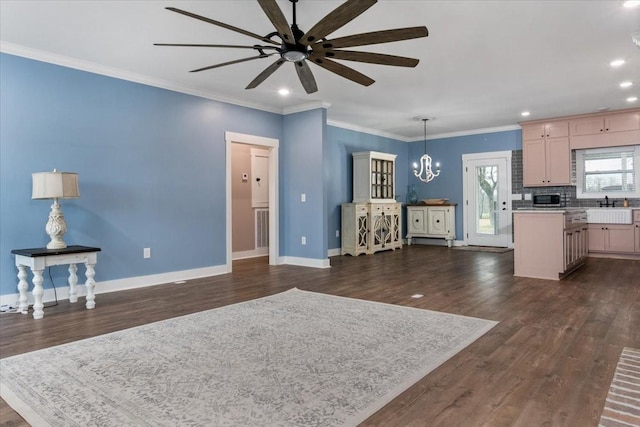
[{"x": 612, "y": 172}]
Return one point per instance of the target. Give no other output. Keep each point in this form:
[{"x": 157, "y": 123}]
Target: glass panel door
[
  {"x": 486, "y": 217},
  {"x": 487, "y": 205}
]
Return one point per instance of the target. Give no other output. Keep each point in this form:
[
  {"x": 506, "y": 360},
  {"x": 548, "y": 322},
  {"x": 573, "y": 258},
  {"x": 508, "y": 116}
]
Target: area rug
[
  {"x": 296, "y": 358},
  {"x": 483, "y": 249},
  {"x": 622, "y": 406}
]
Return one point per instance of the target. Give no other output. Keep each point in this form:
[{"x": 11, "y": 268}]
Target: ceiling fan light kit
[{"x": 301, "y": 47}]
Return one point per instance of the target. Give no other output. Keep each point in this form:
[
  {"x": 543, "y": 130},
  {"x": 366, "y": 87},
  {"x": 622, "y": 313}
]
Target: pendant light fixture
[{"x": 425, "y": 174}]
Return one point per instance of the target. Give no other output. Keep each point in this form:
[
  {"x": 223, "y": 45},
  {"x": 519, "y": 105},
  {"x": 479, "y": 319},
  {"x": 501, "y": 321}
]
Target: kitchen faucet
[{"x": 606, "y": 199}]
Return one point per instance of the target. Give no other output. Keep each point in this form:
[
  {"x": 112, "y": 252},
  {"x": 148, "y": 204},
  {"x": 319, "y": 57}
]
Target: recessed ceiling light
[
  {"x": 632, "y": 99},
  {"x": 626, "y": 84},
  {"x": 631, "y": 3},
  {"x": 284, "y": 92},
  {"x": 525, "y": 113},
  {"x": 617, "y": 63}
]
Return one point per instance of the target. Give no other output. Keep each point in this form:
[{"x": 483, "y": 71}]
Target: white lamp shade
[{"x": 52, "y": 185}]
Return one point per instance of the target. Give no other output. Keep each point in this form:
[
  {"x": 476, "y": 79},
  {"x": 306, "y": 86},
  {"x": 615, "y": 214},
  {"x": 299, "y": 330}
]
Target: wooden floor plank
[{"x": 549, "y": 361}]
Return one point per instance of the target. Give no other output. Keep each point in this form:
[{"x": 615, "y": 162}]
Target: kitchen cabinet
[
  {"x": 371, "y": 227},
  {"x": 432, "y": 222},
  {"x": 549, "y": 244},
  {"x": 373, "y": 177},
  {"x": 621, "y": 122},
  {"x": 605, "y": 130},
  {"x": 616, "y": 238},
  {"x": 546, "y": 155}
]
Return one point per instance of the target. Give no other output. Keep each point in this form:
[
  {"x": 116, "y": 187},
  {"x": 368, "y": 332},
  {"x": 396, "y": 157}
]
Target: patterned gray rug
[{"x": 292, "y": 359}]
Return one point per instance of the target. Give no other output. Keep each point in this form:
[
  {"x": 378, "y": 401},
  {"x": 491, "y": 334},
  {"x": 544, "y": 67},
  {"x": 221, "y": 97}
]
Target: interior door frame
[
  {"x": 272, "y": 145},
  {"x": 466, "y": 158}
]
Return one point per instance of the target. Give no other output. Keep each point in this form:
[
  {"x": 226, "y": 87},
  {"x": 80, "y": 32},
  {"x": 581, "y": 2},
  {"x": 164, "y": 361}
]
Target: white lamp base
[{"x": 56, "y": 227}]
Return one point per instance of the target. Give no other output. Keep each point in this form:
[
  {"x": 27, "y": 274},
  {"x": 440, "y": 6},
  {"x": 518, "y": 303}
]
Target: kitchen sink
[{"x": 609, "y": 216}]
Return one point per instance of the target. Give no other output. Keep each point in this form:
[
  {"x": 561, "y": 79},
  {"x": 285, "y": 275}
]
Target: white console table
[
  {"x": 37, "y": 259},
  {"x": 433, "y": 221}
]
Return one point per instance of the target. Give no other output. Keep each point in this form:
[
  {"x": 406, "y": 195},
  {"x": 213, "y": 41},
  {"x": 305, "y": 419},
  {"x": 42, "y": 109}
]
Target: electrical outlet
[
  {"x": 337, "y": 233},
  {"x": 146, "y": 253},
  {"x": 303, "y": 240},
  {"x": 527, "y": 196},
  {"x": 303, "y": 197}
]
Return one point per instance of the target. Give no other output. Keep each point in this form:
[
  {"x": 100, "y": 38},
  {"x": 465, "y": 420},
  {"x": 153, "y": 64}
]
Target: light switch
[{"x": 303, "y": 197}]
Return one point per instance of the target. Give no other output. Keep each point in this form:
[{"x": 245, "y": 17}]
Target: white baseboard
[
  {"x": 119, "y": 284},
  {"x": 254, "y": 253},
  {"x": 305, "y": 262},
  {"x": 334, "y": 252}
]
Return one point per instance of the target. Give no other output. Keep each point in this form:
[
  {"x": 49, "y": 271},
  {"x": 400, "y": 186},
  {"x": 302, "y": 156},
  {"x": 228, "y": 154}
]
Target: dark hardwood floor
[{"x": 548, "y": 362}]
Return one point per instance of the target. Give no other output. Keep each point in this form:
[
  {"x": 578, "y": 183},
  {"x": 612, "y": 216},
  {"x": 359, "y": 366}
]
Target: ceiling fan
[{"x": 300, "y": 47}]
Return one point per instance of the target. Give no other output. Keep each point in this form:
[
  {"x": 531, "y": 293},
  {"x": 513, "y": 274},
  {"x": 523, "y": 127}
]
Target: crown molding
[
  {"x": 91, "y": 67},
  {"x": 362, "y": 129},
  {"x": 305, "y": 107},
  {"x": 468, "y": 132}
]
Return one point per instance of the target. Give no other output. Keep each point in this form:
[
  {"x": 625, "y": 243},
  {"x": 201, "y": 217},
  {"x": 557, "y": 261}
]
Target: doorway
[
  {"x": 270, "y": 146},
  {"x": 486, "y": 191}
]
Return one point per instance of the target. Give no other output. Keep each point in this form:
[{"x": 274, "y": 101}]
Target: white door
[{"x": 487, "y": 206}]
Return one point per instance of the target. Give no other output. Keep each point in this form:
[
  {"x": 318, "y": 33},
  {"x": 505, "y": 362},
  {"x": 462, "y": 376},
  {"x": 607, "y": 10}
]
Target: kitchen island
[{"x": 549, "y": 243}]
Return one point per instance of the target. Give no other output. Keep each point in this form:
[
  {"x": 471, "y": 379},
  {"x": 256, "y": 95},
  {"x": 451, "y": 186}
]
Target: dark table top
[{"x": 37, "y": 252}]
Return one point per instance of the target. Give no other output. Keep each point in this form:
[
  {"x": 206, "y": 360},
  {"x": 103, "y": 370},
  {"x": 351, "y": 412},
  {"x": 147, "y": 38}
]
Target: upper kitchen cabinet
[
  {"x": 605, "y": 130},
  {"x": 546, "y": 154}
]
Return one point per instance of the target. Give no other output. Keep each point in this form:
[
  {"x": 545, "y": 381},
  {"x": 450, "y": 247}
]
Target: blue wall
[
  {"x": 340, "y": 144},
  {"x": 151, "y": 166},
  {"x": 302, "y": 160},
  {"x": 449, "y": 151}
]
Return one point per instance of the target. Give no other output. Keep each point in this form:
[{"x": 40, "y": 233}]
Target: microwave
[{"x": 546, "y": 200}]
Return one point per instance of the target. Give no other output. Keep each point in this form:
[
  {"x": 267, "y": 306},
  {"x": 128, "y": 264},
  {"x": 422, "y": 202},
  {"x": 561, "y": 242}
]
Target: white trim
[
  {"x": 471, "y": 132},
  {"x": 91, "y": 67},
  {"x": 418, "y": 139},
  {"x": 305, "y": 107},
  {"x": 108, "y": 286},
  {"x": 272, "y": 145},
  {"x": 305, "y": 262},
  {"x": 254, "y": 253},
  {"x": 465, "y": 190},
  {"x": 370, "y": 131},
  {"x": 581, "y": 194},
  {"x": 334, "y": 252}
]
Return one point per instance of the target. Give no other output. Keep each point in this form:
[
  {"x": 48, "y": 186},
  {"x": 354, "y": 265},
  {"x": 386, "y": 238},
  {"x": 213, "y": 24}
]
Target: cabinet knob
[
  {"x": 417, "y": 220},
  {"x": 438, "y": 221}
]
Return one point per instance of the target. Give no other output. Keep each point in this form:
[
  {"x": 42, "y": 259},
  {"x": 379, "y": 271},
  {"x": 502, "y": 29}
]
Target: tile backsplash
[{"x": 568, "y": 193}]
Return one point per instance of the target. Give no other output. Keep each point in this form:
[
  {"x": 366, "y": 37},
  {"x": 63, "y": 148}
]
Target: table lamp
[{"x": 55, "y": 185}]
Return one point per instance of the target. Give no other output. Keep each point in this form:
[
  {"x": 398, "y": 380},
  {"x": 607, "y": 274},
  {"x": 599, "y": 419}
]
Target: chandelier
[{"x": 426, "y": 173}]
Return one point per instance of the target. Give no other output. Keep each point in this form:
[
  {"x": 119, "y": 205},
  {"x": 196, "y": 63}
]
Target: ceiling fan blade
[
  {"x": 256, "y": 47},
  {"x": 375, "y": 37},
  {"x": 306, "y": 77},
  {"x": 222, "y": 24},
  {"x": 371, "y": 58},
  {"x": 266, "y": 73},
  {"x": 237, "y": 61},
  {"x": 344, "y": 13},
  {"x": 277, "y": 18},
  {"x": 341, "y": 70}
]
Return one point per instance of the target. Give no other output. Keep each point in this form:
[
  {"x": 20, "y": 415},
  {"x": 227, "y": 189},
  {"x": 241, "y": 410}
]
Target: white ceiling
[{"x": 483, "y": 63}]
